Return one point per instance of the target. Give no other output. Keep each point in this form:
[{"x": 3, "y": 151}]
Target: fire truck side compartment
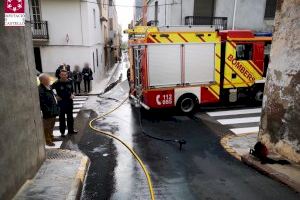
[
  {"x": 175, "y": 64},
  {"x": 164, "y": 65},
  {"x": 199, "y": 63}
]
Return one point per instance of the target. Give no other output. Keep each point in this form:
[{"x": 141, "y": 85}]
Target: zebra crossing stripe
[
  {"x": 74, "y": 115},
  {"x": 76, "y": 110},
  {"x": 239, "y": 120},
  {"x": 56, "y": 133},
  {"x": 239, "y": 131},
  {"x": 57, "y": 145},
  {"x": 79, "y": 102},
  {"x": 85, "y": 96},
  {"x": 78, "y": 105},
  {"x": 234, "y": 112},
  {"x": 80, "y": 99}
]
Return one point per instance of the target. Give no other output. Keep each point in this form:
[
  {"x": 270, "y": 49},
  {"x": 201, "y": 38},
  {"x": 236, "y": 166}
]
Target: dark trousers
[
  {"x": 66, "y": 109},
  {"x": 87, "y": 85},
  {"x": 77, "y": 87}
]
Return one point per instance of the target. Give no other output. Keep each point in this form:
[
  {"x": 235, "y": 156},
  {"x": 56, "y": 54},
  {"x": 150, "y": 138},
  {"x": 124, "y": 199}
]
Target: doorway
[{"x": 37, "y": 58}]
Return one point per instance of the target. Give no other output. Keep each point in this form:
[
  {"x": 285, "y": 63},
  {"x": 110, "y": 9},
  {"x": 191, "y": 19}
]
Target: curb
[
  {"x": 252, "y": 162},
  {"x": 77, "y": 184},
  {"x": 264, "y": 169},
  {"x": 224, "y": 142}
]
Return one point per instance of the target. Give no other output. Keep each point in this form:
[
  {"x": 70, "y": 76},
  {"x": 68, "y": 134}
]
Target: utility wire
[{"x": 115, "y": 5}]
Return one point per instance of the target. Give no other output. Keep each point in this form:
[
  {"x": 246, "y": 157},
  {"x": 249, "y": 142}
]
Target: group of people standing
[
  {"x": 76, "y": 76},
  {"x": 60, "y": 102}
]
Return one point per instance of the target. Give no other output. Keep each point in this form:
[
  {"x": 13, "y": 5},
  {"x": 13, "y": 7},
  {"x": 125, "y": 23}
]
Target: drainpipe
[
  {"x": 181, "y": 14},
  {"x": 234, "y": 13},
  {"x": 165, "y": 12}
]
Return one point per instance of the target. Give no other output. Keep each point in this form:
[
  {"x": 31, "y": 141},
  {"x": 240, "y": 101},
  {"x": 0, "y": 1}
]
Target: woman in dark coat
[
  {"x": 77, "y": 78},
  {"x": 87, "y": 77}
]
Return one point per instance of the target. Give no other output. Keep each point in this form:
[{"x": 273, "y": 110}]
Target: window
[
  {"x": 110, "y": 3},
  {"x": 270, "y": 9},
  {"x": 94, "y": 16},
  {"x": 244, "y": 51},
  {"x": 36, "y": 13},
  {"x": 111, "y": 24},
  {"x": 97, "y": 57},
  {"x": 204, "y": 8}
]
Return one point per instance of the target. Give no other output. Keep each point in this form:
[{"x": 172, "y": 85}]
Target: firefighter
[{"x": 65, "y": 95}]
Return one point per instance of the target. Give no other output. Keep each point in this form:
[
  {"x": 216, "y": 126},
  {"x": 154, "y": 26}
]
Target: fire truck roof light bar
[
  {"x": 148, "y": 44},
  {"x": 187, "y": 28}
]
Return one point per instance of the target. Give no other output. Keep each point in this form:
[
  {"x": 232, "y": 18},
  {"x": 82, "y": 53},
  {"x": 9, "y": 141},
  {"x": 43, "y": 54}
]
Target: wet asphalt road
[{"x": 202, "y": 170}]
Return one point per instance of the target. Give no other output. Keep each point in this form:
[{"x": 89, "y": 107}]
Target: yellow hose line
[{"x": 126, "y": 145}]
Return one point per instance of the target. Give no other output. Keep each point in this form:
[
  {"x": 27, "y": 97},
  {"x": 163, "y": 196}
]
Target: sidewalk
[
  {"x": 60, "y": 177},
  {"x": 63, "y": 172},
  {"x": 239, "y": 146}
]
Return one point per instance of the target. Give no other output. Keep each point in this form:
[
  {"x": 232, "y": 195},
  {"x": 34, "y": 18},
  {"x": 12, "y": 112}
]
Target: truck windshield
[{"x": 244, "y": 51}]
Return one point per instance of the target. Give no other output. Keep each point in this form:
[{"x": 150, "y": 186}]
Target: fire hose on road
[{"x": 110, "y": 134}]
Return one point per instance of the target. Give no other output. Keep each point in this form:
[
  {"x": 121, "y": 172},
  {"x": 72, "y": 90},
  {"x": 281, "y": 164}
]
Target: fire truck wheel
[{"x": 186, "y": 104}]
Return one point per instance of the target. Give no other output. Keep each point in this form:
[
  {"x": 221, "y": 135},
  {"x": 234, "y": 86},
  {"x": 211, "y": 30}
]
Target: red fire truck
[{"x": 185, "y": 66}]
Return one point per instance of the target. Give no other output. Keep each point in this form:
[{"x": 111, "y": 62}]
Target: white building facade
[
  {"x": 73, "y": 34},
  {"x": 115, "y": 35},
  {"x": 256, "y": 15}
]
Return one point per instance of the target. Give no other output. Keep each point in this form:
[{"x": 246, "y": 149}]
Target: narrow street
[
  {"x": 150, "y": 100},
  {"x": 202, "y": 170}
]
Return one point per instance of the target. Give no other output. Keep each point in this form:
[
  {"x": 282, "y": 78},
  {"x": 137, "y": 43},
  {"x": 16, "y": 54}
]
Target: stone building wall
[
  {"x": 280, "y": 122},
  {"x": 22, "y": 142}
]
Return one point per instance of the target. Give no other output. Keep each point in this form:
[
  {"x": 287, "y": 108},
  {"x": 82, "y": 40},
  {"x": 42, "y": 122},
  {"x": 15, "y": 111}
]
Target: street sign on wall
[{"x": 14, "y": 12}]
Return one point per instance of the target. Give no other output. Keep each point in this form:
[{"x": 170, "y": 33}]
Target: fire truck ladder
[{"x": 137, "y": 73}]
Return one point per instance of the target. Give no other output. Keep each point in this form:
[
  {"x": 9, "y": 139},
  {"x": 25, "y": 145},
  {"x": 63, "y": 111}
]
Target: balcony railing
[
  {"x": 152, "y": 23},
  {"x": 219, "y": 22},
  {"x": 40, "y": 30}
]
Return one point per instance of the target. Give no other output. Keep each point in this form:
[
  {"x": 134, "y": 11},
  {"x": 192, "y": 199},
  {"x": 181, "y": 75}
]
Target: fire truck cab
[{"x": 186, "y": 66}]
